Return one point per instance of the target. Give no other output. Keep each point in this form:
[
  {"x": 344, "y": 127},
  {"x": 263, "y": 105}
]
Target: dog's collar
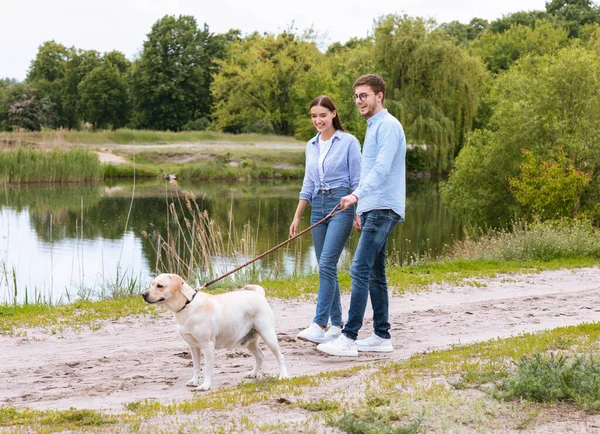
[{"x": 187, "y": 302}]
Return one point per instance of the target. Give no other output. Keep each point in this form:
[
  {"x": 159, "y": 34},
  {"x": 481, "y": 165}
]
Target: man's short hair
[{"x": 374, "y": 81}]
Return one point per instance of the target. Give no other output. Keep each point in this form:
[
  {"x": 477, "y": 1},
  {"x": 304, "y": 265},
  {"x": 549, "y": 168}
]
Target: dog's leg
[
  {"x": 196, "y": 355},
  {"x": 268, "y": 335},
  {"x": 209, "y": 361},
  {"x": 258, "y": 356}
]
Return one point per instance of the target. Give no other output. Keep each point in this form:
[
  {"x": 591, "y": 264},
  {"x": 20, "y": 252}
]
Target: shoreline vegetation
[{"x": 58, "y": 156}]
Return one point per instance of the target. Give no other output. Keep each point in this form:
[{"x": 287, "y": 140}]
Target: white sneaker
[
  {"x": 375, "y": 344},
  {"x": 342, "y": 346},
  {"x": 332, "y": 334},
  {"x": 314, "y": 333}
]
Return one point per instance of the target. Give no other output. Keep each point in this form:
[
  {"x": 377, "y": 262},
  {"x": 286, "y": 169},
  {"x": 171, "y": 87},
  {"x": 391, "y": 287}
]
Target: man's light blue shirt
[
  {"x": 341, "y": 166},
  {"x": 383, "y": 174}
]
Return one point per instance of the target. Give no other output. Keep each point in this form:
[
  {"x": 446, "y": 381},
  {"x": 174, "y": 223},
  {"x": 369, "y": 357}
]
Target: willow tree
[
  {"x": 433, "y": 85},
  {"x": 546, "y": 105},
  {"x": 268, "y": 79}
]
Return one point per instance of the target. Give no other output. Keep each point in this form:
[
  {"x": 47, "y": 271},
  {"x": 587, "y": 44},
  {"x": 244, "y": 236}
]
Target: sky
[{"x": 122, "y": 25}]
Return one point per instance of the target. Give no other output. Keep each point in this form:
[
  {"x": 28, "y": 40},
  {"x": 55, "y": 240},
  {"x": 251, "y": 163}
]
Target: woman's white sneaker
[
  {"x": 375, "y": 344},
  {"x": 342, "y": 346},
  {"x": 314, "y": 333},
  {"x": 332, "y": 334}
]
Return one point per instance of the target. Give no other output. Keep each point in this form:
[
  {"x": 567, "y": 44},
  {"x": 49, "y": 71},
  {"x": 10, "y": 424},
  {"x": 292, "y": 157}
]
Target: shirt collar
[
  {"x": 337, "y": 134},
  {"x": 376, "y": 117}
]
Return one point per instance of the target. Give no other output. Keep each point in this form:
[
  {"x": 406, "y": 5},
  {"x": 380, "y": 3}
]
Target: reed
[
  {"x": 24, "y": 165},
  {"x": 199, "y": 249}
]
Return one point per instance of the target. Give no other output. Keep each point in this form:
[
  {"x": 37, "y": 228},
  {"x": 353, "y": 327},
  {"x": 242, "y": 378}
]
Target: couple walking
[{"x": 336, "y": 173}]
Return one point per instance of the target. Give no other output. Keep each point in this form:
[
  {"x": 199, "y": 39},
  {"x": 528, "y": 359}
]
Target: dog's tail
[{"x": 255, "y": 288}]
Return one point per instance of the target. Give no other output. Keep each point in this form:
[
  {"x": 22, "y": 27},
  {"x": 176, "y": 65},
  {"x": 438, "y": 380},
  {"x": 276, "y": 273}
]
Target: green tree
[
  {"x": 542, "y": 104},
  {"x": 574, "y": 14},
  {"x": 80, "y": 64},
  {"x": 433, "y": 85},
  {"x": 104, "y": 99},
  {"x": 522, "y": 18},
  {"x": 500, "y": 50},
  {"x": 268, "y": 79},
  {"x": 549, "y": 189},
  {"x": 464, "y": 34},
  {"x": 47, "y": 73},
  {"x": 172, "y": 78}
]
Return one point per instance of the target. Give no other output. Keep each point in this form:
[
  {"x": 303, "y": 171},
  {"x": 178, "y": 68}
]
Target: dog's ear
[{"x": 185, "y": 289}]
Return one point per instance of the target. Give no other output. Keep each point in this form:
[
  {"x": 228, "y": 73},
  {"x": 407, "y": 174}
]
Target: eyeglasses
[{"x": 361, "y": 96}]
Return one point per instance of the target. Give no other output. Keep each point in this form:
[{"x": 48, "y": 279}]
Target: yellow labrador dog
[{"x": 206, "y": 322}]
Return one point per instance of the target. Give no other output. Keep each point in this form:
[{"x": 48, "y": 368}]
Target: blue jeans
[
  {"x": 368, "y": 273},
  {"x": 329, "y": 239}
]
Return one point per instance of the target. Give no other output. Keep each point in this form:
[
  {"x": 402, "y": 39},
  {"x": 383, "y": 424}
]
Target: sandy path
[{"x": 137, "y": 358}]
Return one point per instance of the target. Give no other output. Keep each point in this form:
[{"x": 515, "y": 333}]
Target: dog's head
[{"x": 170, "y": 290}]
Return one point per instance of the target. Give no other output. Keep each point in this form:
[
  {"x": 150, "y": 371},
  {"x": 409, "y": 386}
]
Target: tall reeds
[
  {"x": 197, "y": 248},
  {"x": 25, "y": 164}
]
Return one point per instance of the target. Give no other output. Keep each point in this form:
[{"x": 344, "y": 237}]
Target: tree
[
  {"x": 171, "y": 80},
  {"x": 268, "y": 79},
  {"x": 543, "y": 104},
  {"x": 80, "y": 64},
  {"x": 27, "y": 110},
  {"x": 433, "y": 85},
  {"x": 500, "y": 50},
  {"x": 49, "y": 63},
  {"x": 574, "y": 14},
  {"x": 104, "y": 98},
  {"x": 464, "y": 34}
]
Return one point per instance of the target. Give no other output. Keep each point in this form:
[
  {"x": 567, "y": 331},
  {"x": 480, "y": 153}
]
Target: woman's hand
[
  {"x": 356, "y": 223},
  {"x": 294, "y": 226}
]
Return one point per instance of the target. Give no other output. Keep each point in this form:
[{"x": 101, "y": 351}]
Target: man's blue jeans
[
  {"x": 329, "y": 239},
  {"x": 368, "y": 273}
]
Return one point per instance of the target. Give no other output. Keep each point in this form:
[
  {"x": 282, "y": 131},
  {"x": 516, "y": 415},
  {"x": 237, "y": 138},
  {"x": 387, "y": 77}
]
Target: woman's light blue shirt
[{"x": 341, "y": 166}]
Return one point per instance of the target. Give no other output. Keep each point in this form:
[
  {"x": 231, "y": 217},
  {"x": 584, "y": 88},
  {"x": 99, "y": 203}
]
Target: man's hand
[{"x": 348, "y": 201}]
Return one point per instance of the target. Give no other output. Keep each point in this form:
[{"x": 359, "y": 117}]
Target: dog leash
[{"x": 331, "y": 214}]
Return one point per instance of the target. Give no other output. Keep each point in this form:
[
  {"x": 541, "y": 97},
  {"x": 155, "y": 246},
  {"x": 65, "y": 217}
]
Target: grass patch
[
  {"x": 125, "y": 136},
  {"x": 373, "y": 422},
  {"x": 80, "y": 313},
  {"x": 556, "y": 377},
  {"x": 537, "y": 241},
  {"x": 56, "y": 420}
]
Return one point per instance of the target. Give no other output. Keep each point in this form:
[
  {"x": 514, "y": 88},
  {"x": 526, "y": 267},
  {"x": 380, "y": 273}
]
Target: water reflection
[{"x": 60, "y": 242}]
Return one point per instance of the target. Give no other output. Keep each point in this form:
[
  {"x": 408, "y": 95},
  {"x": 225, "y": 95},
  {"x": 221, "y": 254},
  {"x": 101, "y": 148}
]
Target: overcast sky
[{"x": 122, "y": 25}]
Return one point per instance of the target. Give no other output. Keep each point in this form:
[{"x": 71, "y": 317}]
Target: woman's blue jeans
[
  {"x": 368, "y": 273},
  {"x": 329, "y": 239}
]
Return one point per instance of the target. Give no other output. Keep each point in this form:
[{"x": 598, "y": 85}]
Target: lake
[{"x": 59, "y": 243}]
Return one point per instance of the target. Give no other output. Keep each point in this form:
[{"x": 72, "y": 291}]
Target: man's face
[{"x": 367, "y": 101}]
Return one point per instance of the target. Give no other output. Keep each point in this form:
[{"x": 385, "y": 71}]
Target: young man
[{"x": 381, "y": 200}]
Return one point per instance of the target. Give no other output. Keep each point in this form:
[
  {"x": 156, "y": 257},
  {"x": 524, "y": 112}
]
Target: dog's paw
[
  {"x": 192, "y": 383},
  {"x": 203, "y": 387},
  {"x": 284, "y": 376},
  {"x": 251, "y": 374}
]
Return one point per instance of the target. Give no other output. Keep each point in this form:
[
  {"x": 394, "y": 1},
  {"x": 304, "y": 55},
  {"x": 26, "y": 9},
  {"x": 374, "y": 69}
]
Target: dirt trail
[{"x": 140, "y": 358}]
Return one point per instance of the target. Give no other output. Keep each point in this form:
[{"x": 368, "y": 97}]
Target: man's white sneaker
[
  {"x": 375, "y": 344},
  {"x": 342, "y": 346},
  {"x": 314, "y": 333},
  {"x": 332, "y": 334}
]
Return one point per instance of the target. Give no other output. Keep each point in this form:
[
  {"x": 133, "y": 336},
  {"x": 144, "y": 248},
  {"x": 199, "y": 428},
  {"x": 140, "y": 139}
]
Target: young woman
[{"x": 332, "y": 170}]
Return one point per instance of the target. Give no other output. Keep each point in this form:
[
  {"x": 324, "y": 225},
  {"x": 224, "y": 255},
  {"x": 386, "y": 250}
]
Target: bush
[
  {"x": 200, "y": 124},
  {"x": 554, "y": 378}
]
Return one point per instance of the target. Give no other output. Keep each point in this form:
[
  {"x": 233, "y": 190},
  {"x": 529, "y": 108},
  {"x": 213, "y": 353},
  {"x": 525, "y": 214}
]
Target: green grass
[
  {"x": 55, "y": 420},
  {"x": 126, "y": 136},
  {"x": 29, "y": 165},
  {"x": 556, "y": 377}
]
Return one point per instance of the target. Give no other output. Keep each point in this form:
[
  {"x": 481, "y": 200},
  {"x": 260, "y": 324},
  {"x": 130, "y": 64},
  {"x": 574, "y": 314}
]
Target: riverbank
[{"x": 128, "y": 374}]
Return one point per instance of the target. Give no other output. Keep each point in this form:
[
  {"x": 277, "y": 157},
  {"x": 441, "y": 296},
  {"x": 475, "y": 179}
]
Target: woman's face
[{"x": 322, "y": 118}]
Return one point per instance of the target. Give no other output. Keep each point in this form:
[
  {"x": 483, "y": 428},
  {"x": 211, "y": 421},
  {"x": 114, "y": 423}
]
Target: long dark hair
[{"x": 325, "y": 101}]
